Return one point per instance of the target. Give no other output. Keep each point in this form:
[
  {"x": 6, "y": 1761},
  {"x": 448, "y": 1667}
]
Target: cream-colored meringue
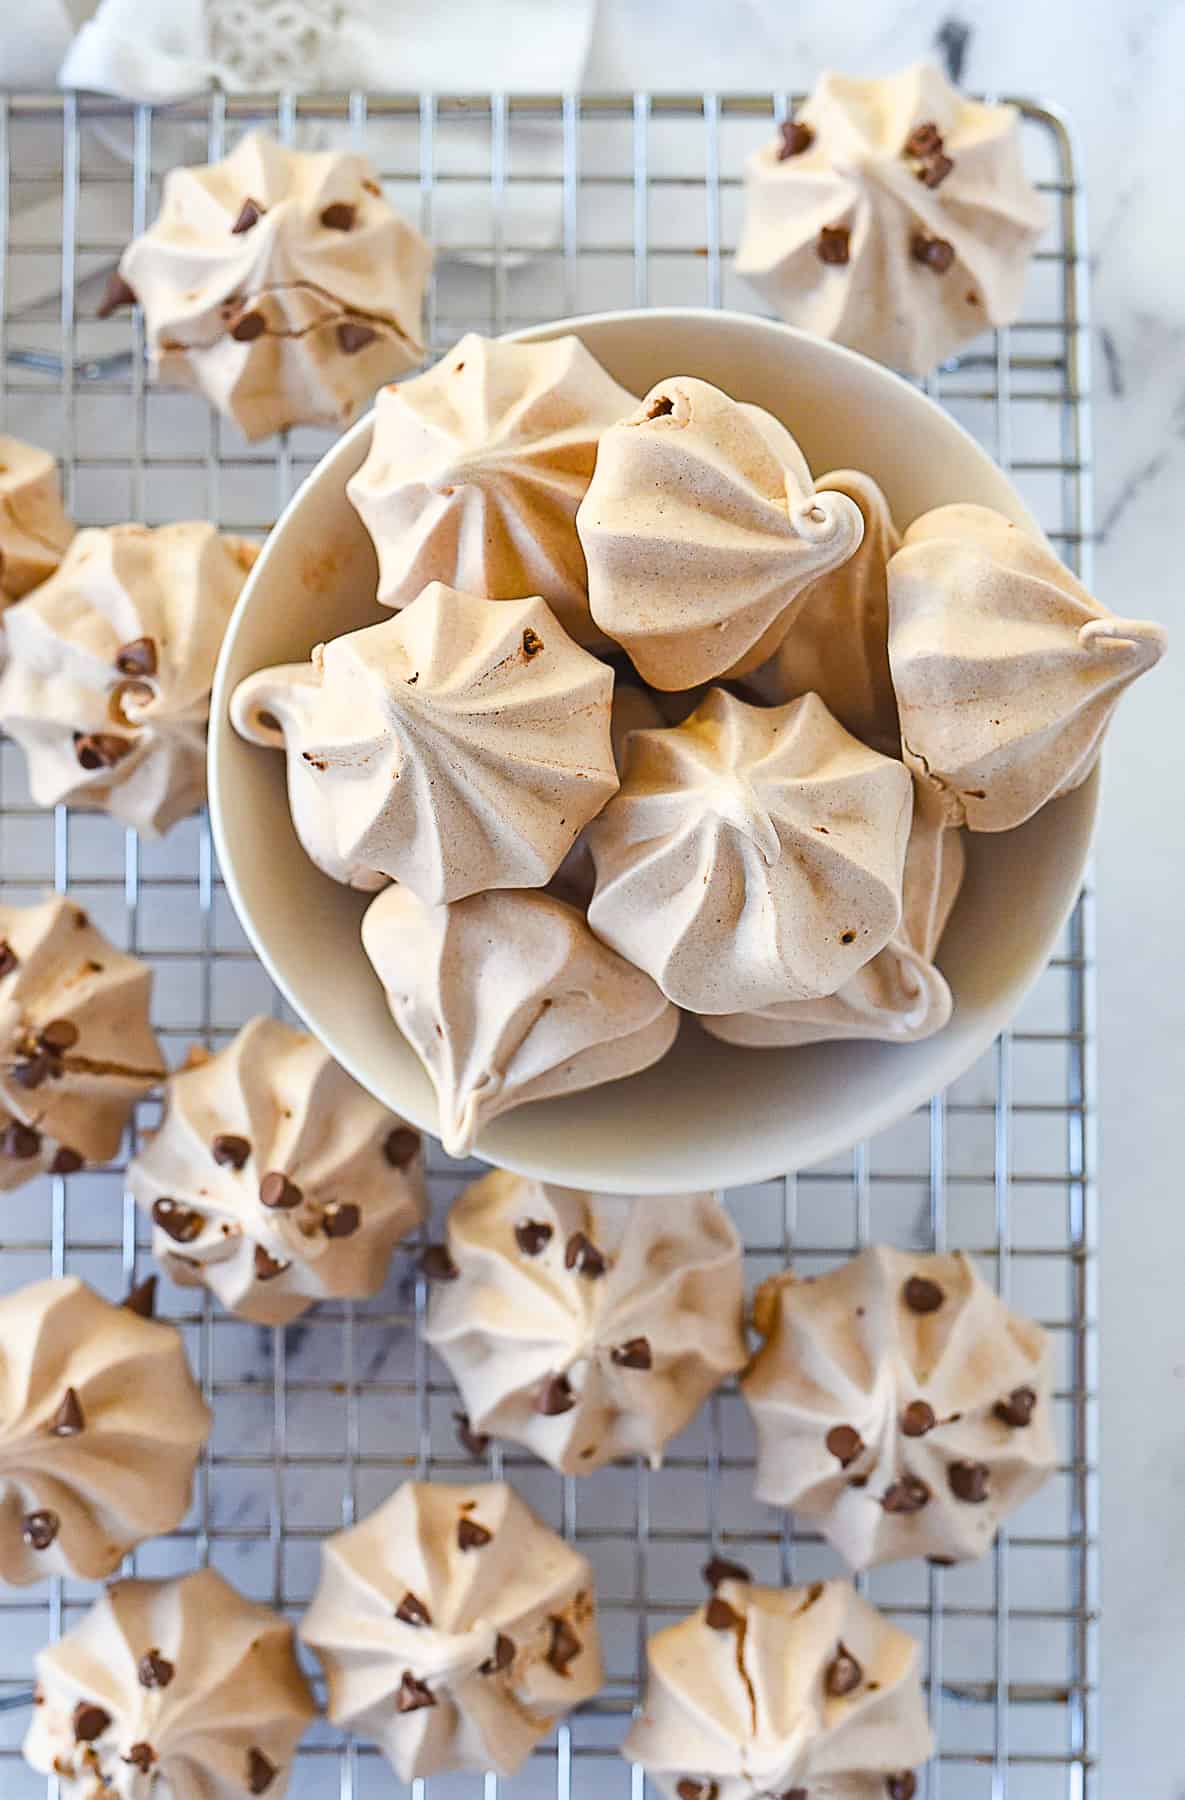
[
  {"x": 586, "y": 1326},
  {"x": 110, "y": 665},
  {"x": 280, "y": 284},
  {"x": 455, "y": 1628},
  {"x": 702, "y": 528},
  {"x": 101, "y": 1425},
  {"x": 476, "y": 468},
  {"x": 753, "y": 856},
  {"x": 1006, "y": 669},
  {"x": 837, "y": 645},
  {"x": 275, "y": 1180},
  {"x": 459, "y": 746},
  {"x": 180, "y": 1689},
  {"x": 900, "y": 1403},
  {"x": 34, "y": 528},
  {"x": 899, "y": 996},
  {"x": 763, "y": 1692},
  {"x": 894, "y": 215},
  {"x": 76, "y": 1047},
  {"x": 508, "y": 997}
]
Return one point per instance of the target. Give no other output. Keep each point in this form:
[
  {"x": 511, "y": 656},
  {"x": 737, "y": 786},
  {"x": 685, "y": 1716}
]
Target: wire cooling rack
[{"x": 541, "y": 207}]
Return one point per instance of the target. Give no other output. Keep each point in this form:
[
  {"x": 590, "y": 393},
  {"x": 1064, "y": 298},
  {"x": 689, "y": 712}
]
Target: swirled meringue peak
[
  {"x": 754, "y": 855},
  {"x": 34, "y": 529},
  {"x": 701, "y": 528},
  {"x": 455, "y": 1628},
  {"x": 101, "y": 1425},
  {"x": 110, "y": 666},
  {"x": 1006, "y": 669},
  {"x": 586, "y": 1326},
  {"x": 476, "y": 469},
  {"x": 459, "y": 746},
  {"x": 179, "y": 1689},
  {"x": 892, "y": 214},
  {"x": 76, "y": 1046},
  {"x": 899, "y": 996},
  {"x": 278, "y": 283},
  {"x": 801, "y": 1691},
  {"x": 275, "y": 1180},
  {"x": 900, "y": 1403},
  {"x": 508, "y": 997}
]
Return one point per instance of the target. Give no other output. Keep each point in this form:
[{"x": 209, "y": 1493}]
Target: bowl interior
[{"x": 708, "y": 1115}]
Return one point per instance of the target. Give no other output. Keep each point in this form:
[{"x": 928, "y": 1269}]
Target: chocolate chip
[
  {"x": 908, "y": 1495},
  {"x": 969, "y": 1481},
  {"x": 352, "y": 336},
  {"x": 845, "y": 1442},
  {"x": 903, "y": 1786},
  {"x": 796, "y": 137},
  {"x": 401, "y": 1146},
  {"x": 89, "y": 1721},
  {"x": 833, "y": 245},
  {"x": 532, "y": 643},
  {"x": 719, "y": 1569},
  {"x": 141, "y": 1299},
  {"x": 661, "y": 408},
  {"x": 372, "y": 187},
  {"x": 1017, "y": 1410},
  {"x": 66, "y": 1161},
  {"x": 33, "y": 1071},
  {"x": 842, "y": 1675},
  {"x": 533, "y": 1236},
  {"x": 437, "y": 1265},
  {"x": 229, "y": 1151},
  {"x": 633, "y": 1354},
  {"x": 69, "y": 1420},
  {"x": 9, "y": 960},
  {"x": 39, "y": 1529},
  {"x": 267, "y": 1267},
  {"x": 475, "y": 1442},
  {"x": 248, "y": 327},
  {"x": 412, "y": 1611},
  {"x": 341, "y": 1219},
  {"x": 412, "y": 1695},
  {"x": 141, "y": 1756},
  {"x": 181, "y": 1223},
  {"x": 250, "y": 214},
  {"x": 922, "y": 1295},
  {"x": 719, "y": 1615},
  {"x": 564, "y": 1647},
  {"x": 137, "y": 658},
  {"x": 20, "y": 1141},
  {"x": 917, "y": 1419},
  {"x": 555, "y": 1396},
  {"x": 795, "y": 1794},
  {"x": 933, "y": 252},
  {"x": 942, "y": 1562},
  {"x": 935, "y": 170},
  {"x": 923, "y": 140},
  {"x": 117, "y": 293},
  {"x": 502, "y": 1658},
  {"x": 471, "y": 1535},
  {"x": 100, "y": 749},
  {"x": 691, "y": 1789},
  {"x": 154, "y": 1670},
  {"x": 58, "y": 1036},
  {"x": 582, "y": 1255},
  {"x": 279, "y": 1194},
  {"x": 261, "y": 1771},
  {"x": 339, "y": 216}
]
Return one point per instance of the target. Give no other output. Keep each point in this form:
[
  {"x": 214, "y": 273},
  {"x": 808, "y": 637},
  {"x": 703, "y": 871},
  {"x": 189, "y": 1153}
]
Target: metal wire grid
[{"x": 541, "y": 207}]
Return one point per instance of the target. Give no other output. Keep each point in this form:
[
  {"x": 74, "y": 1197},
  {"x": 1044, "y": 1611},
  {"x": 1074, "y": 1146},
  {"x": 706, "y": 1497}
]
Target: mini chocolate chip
[
  {"x": 412, "y": 1611},
  {"x": 66, "y": 1161},
  {"x": 267, "y": 1267},
  {"x": 847, "y": 937},
  {"x": 117, "y": 293},
  {"x": 691, "y": 1789},
  {"x": 934, "y": 252},
  {"x": 100, "y": 749},
  {"x": 69, "y": 1419},
  {"x": 564, "y": 1647},
  {"x": 1017, "y": 1410},
  {"x": 229, "y": 1151},
  {"x": 401, "y": 1146},
  {"x": 341, "y": 1219},
  {"x": 814, "y": 1594},
  {"x": 917, "y": 1419},
  {"x": 834, "y": 245},
  {"x": 719, "y": 1615},
  {"x": 555, "y": 1396},
  {"x": 59, "y": 1035},
  {"x": 154, "y": 1670},
  {"x": 935, "y": 170},
  {"x": 923, "y": 140},
  {"x": 532, "y": 643},
  {"x": 969, "y": 1481},
  {"x": 248, "y": 327},
  {"x": 372, "y": 187},
  {"x": 795, "y": 1794},
  {"x": 137, "y": 658},
  {"x": 903, "y": 1786},
  {"x": 719, "y": 1569},
  {"x": 633, "y": 1354},
  {"x": 942, "y": 1562},
  {"x": 475, "y": 1442},
  {"x": 20, "y": 1141},
  {"x": 181, "y": 1223},
  {"x": 141, "y": 1299},
  {"x": 582, "y": 1255},
  {"x": 437, "y": 1265},
  {"x": 250, "y": 214},
  {"x": 339, "y": 216},
  {"x": 796, "y": 137},
  {"x": 471, "y": 1535},
  {"x": 843, "y": 1674},
  {"x": 141, "y": 1756},
  {"x": 502, "y": 1658},
  {"x": 908, "y": 1495},
  {"x": 39, "y": 1529},
  {"x": 353, "y": 336},
  {"x": 661, "y": 408},
  {"x": 412, "y": 1695},
  {"x": 33, "y": 1071},
  {"x": 922, "y": 1295},
  {"x": 845, "y": 1443},
  {"x": 261, "y": 1771},
  {"x": 9, "y": 960},
  {"x": 857, "y": 1481},
  {"x": 89, "y": 1721},
  {"x": 279, "y": 1194},
  {"x": 533, "y": 1236}
]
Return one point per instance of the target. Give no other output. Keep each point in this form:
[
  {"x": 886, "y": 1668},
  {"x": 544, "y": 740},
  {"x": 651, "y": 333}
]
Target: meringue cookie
[
  {"x": 110, "y": 665},
  {"x": 508, "y": 997},
  {"x": 459, "y": 746},
  {"x": 34, "y": 529},
  {"x": 101, "y": 1426},
  {"x": 798, "y": 1691},
  {"x": 454, "y": 1628},
  {"x": 1006, "y": 669},
  {"x": 753, "y": 856},
  {"x": 900, "y": 1403},
  {"x": 837, "y": 645},
  {"x": 586, "y": 1326},
  {"x": 893, "y": 215},
  {"x": 899, "y": 996},
  {"x": 476, "y": 468},
  {"x": 179, "y": 1688},
  {"x": 275, "y": 1180},
  {"x": 279, "y": 284},
  {"x": 702, "y": 528},
  {"x": 76, "y": 1048}
]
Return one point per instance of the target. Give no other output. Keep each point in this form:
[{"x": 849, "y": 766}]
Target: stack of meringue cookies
[{"x": 659, "y": 725}]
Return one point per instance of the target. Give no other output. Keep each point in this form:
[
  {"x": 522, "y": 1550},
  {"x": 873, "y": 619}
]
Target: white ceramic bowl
[{"x": 709, "y": 1115}]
